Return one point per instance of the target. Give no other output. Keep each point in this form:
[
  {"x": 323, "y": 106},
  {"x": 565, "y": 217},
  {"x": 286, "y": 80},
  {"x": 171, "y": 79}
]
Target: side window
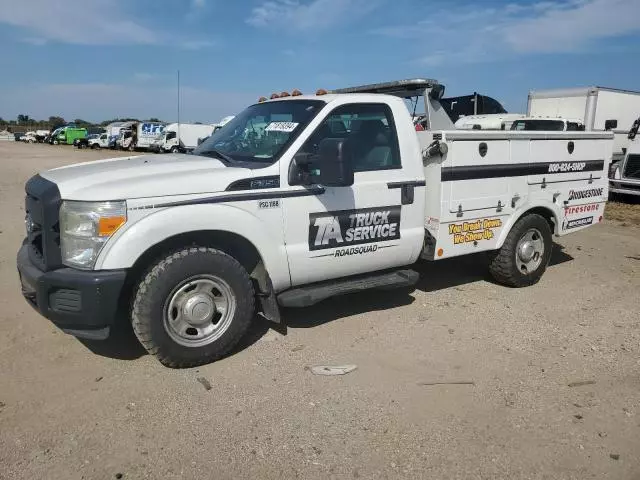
[{"x": 369, "y": 134}]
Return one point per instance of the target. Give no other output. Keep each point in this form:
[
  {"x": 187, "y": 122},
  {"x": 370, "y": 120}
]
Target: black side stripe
[
  {"x": 409, "y": 183},
  {"x": 239, "y": 197},
  {"x": 474, "y": 172}
]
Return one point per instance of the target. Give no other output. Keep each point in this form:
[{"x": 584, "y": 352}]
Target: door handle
[{"x": 407, "y": 189}]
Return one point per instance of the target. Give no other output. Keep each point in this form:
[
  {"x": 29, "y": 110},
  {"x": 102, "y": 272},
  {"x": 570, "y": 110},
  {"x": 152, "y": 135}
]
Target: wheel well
[
  {"x": 545, "y": 213},
  {"x": 235, "y": 245}
]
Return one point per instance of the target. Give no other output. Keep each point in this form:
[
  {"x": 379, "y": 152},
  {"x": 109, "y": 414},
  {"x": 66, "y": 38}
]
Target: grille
[
  {"x": 42, "y": 205},
  {"x": 632, "y": 167}
]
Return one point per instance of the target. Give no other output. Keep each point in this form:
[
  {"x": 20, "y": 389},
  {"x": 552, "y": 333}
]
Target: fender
[
  {"x": 128, "y": 244},
  {"x": 554, "y": 209}
]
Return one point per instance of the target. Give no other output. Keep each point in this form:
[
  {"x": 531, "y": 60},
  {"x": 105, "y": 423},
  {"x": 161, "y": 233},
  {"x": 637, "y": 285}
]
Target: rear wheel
[
  {"x": 193, "y": 307},
  {"x": 525, "y": 254}
]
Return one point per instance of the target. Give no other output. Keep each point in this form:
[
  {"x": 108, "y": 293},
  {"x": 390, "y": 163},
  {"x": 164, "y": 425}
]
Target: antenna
[{"x": 178, "y": 108}]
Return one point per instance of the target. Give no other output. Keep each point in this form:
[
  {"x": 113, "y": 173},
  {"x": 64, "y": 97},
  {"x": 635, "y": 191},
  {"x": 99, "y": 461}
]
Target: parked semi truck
[
  {"x": 598, "y": 108},
  {"x": 295, "y": 200}
]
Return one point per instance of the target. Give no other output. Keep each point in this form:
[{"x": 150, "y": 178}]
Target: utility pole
[{"x": 178, "y": 108}]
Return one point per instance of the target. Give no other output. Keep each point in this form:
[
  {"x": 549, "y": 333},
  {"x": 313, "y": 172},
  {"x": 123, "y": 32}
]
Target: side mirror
[
  {"x": 331, "y": 166},
  {"x": 610, "y": 124}
]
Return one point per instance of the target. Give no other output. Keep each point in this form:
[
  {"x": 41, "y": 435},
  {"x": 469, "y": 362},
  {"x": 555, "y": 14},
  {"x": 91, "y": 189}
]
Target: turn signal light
[
  {"x": 262, "y": 99},
  {"x": 321, "y": 91},
  {"x": 284, "y": 94},
  {"x": 274, "y": 95},
  {"x": 296, "y": 93},
  {"x": 108, "y": 225}
]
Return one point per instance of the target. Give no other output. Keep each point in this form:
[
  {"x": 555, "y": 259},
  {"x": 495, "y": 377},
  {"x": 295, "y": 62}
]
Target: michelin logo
[{"x": 353, "y": 227}]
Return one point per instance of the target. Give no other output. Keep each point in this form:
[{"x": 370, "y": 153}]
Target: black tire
[
  {"x": 175, "y": 150},
  {"x": 503, "y": 264},
  {"x": 94, "y": 146},
  {"x": 151, "y": 305}
]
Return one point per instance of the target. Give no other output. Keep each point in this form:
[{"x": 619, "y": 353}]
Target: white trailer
[
  {"x": 181, "y": 137},
  {"x": 599, "y": 108}
]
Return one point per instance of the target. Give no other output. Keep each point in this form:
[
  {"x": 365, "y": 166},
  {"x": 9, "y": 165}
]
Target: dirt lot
[{"x": 555, "y": 367}]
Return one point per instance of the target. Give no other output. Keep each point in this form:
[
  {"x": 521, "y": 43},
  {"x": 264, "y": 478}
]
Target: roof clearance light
[
  {"x": 296, "y": 93},
  {"x": 262, "y": 99},
  {"x": 274, "y": 95},
  {"x": 321, "y": 91},
  {"x": 284, "y": 94}
]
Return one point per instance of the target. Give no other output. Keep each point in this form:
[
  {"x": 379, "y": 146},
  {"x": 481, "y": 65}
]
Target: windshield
[{"x": 261, "y": 132}]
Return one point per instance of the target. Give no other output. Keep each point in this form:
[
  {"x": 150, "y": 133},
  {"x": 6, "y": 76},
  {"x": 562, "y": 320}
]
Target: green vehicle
[{"x": 69, "y": 134}]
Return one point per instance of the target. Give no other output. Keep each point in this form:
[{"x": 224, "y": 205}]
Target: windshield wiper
[{"x": 218, "y": 154}]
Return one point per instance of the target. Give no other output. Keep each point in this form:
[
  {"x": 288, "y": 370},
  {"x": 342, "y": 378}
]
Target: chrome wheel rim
[
  {"x": 199, "y": 311},
  {"x": 530, "y": 251}
]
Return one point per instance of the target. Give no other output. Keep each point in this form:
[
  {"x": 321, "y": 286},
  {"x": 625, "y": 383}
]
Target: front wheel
[
  {"x": 193, "y": 307},
  {"x": 525, "y": 254},
  {"x": 175, "y": 150}
]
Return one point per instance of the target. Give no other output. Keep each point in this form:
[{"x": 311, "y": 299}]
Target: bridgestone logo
[
  {"x": 353, "y": 227},
  {"x": 567, "y": 167},
  {"x": 579, "y": 194}
]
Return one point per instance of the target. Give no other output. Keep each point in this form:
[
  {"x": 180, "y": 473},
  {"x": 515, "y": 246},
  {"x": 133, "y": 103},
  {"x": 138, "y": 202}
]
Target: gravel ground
[{"x": 555, "y": 371}]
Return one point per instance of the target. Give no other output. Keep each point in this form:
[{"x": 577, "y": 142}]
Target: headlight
[
  {"x": 84, "y": 229},
  {"x": 614, "y": 170}
]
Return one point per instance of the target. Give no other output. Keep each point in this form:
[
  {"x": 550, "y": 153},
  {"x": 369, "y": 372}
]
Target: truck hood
[{"x": 143, "y": 177}]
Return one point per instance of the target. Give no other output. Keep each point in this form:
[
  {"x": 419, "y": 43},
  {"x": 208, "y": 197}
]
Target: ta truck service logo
[{"x": 346, "y": 228}]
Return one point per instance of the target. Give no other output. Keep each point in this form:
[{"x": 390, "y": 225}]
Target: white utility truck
[
  {"x": 295, "y": 200},
  {"x": 181, "y": 137},
  {"x": 598, "y": 108}
]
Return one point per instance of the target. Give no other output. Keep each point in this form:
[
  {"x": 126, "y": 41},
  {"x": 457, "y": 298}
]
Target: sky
[{"x": 101, "y": 59}]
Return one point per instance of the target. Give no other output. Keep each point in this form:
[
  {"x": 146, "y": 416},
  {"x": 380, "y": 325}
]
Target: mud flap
[{"x": 268, "y": 304}]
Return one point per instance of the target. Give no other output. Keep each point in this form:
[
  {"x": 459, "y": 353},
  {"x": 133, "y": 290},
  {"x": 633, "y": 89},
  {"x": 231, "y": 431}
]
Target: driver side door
[{"x": 342, "y": 231}]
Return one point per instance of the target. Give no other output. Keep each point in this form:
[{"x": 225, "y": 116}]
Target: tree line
[{"x": 25, "y": 122}]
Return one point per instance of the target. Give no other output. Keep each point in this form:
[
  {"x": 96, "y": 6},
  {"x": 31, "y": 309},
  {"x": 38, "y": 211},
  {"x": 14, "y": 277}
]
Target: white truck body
[
  {"x": 144, "y": 134},
  {"x": 594, "y": 106},
  {"x": 392, "y": 196},
  {"x": 181, "y": 137}
]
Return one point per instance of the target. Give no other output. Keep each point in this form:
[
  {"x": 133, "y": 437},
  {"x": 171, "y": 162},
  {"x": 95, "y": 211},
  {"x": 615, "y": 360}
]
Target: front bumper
[
  {"x": 81, "y": 303},
  {"x": 627, "y": 187}
]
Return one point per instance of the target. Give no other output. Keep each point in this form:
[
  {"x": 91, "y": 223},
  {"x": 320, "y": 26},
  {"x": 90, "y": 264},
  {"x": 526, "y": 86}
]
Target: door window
[{"x": 369, "y": 134}]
